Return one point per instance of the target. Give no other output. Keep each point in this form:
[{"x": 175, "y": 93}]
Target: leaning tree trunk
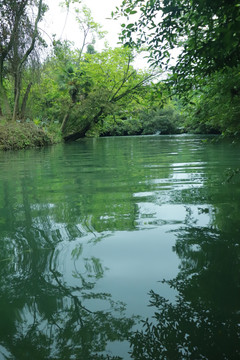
[
  {"x": 115, "y": 97},
  {"x": 81, "y": 133},
  {"x": 64, "y": 123}
]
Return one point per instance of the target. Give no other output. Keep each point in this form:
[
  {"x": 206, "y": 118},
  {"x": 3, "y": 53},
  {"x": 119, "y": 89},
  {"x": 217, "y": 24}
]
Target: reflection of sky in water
[
  {"x": 153, "y": 214},
  {"x": 134, "y": 264}
]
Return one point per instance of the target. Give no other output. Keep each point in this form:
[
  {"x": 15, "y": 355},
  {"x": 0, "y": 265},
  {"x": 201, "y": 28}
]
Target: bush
[
  {"x": 15, "y": 136},
  {"x": 216, "y": 107},
  {"x": 162, "y": 121}
]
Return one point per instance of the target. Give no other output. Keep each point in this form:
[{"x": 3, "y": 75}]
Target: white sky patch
[
  {"x": 58, "y": 21},
  {"x": 62, "y": 23}
]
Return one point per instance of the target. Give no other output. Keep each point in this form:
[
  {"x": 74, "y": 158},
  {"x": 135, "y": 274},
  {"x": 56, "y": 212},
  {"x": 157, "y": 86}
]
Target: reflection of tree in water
[
  {"x": 203, "y": 322},
  {"x": 43, "y": 316}
]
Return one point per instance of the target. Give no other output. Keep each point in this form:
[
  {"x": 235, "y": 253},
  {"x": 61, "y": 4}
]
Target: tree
[
  {"x": 18, "y": 36},
  {"x": 206, "y": 32},
  {"x": 88, "y": 27},
  {"x": 87, "y": 91},
  {"x": 113, "y": 79},
  {"x": 11, "y": 13},
  {"x": 216, "y": 108}
]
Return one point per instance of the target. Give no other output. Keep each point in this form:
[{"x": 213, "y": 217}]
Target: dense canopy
[{"x": 206, "y": 32}]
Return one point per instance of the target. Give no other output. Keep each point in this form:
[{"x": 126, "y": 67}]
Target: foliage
[
  {"x": 14, "y": 136},
  {"x": 80, "y": 93},
  {"x": 216, "y": 108},
  {"x": 206, "y": 32},
  {"x": 144, "y": 122},
  {"x": 205, "y": 73},
  {"x": 18, "y": 38},
  {"x": 163, "y": 121}
]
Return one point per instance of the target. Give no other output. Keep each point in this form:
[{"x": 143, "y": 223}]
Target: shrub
[{"x": 14, "y": 136}]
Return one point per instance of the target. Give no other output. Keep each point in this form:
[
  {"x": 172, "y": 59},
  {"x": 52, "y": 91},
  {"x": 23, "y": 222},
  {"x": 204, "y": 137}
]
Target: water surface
[{"x": 89, "y": 229}]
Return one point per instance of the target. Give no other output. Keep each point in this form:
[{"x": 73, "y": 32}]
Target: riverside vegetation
[{"x": 76, "y": 92}]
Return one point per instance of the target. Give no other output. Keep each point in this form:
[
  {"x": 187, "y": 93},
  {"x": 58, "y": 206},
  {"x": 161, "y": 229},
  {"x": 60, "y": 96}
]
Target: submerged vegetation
[{"x": 76, "y": 92}]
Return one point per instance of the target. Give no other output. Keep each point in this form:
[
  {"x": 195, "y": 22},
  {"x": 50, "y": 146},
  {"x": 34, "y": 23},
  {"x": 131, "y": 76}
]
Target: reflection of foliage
[
  {"x": 62, "y": 204},
  {"x": 47, "y": 312},
  {"x": 186, "y": 331},
  {"x": 232, "y": 174},
  {"x": 52, "y": 319},
  {"x": 203, "y": 322}
]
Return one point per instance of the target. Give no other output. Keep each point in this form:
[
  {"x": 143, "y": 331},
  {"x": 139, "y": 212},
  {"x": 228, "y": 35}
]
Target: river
[{"x": 94, "y": 231}]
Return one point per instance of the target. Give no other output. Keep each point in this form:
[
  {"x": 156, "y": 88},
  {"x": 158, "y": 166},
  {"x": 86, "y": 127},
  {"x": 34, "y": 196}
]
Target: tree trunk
[
  {"x": 4, "y": 104},
  {"x": 64, "y": 122},
  {"x": 15, "y": 109},
  {"x": 16, "y": 96},
  {"x": 81, "y": 133},
  {"x": 25, "y": 99},
  {"x": 23, "y": 60}
]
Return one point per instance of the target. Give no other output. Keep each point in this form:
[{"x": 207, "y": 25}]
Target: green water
[{"x": 88, "y": 229}]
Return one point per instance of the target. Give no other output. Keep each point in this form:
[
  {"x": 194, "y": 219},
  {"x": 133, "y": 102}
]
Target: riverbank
[
  {"x": 16, "y": 136},
  {"x": 23, "y": 135}
]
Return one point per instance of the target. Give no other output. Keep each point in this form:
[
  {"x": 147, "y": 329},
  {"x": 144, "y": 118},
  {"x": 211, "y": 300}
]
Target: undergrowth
[{"x": 16, "y": 136}]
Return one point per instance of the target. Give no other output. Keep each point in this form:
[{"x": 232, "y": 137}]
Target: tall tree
[
  {"x": 106, "y": 79},
  {"x": 11, "y": 13},
  {"x": 89, "y": 29},
  {"x": 18, "y": 36},
  {"x": 87, "y": 92}
]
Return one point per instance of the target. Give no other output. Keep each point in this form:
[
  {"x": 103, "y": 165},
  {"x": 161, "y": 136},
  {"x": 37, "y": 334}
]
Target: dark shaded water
[{"x": 87, "y": 230}]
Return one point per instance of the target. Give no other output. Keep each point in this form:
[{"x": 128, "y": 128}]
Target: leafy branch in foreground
[{"x": 206, "y": 33}]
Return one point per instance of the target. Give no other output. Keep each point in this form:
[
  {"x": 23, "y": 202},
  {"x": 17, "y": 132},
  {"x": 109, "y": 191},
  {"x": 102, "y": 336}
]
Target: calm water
[{"x": 90, "y": 231}]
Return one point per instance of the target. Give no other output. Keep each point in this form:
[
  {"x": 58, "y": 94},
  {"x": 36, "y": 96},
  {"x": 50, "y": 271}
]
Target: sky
[
  {"x": 101, "y": 10},
  {"x": 56, "y": 21}
]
